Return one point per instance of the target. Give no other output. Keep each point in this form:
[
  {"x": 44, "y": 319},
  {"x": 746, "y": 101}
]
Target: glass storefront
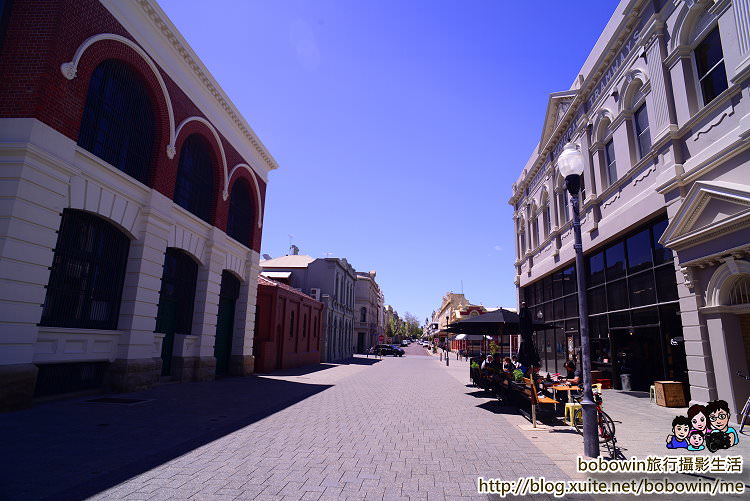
[{"x": 634, "y": 318}]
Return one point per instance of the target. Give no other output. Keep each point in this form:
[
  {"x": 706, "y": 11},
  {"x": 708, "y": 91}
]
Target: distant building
[
  {"x": 288, "y": 327},
  {"x": 331, "y": 281},
  {"x": 369, "y": 322},
  {"x": 661, "y": 112},
  {"x": 133, "y": 200}
]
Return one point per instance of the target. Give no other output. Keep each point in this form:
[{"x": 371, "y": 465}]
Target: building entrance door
[
  {"x": 166, "y": 322},
  {"x": 361, "y": 342},
  {"x": 639, "y": 354},
  {"x": 230, "y": 288}
]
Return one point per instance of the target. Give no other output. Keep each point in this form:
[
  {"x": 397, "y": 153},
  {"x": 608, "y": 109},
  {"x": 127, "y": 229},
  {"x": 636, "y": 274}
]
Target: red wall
[
  {"x": 41, "y": 35},
  {"x": 287, "y": 330}
]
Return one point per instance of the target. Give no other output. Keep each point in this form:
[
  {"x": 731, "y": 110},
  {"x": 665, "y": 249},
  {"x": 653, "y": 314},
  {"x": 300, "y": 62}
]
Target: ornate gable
[
  {"x": 709, "y": 209},
  {"x": 557, "y": 107}
]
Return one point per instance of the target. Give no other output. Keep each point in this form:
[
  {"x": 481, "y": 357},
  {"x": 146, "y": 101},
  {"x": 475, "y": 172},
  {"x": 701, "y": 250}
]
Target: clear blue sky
[{"x": 399, "y": 125}]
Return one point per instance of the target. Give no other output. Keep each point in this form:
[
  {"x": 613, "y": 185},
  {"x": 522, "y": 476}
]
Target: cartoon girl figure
[
  {"x": 695, "y": 440},
  {"x": 698, "y": 418}
]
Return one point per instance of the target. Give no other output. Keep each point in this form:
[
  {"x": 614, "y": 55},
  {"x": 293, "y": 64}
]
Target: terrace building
[{"x": 661, "y": 111}]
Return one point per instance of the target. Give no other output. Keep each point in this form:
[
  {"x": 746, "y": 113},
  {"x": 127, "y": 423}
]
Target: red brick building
[
  {"x": 134, "y": 197},
  {"x": 287, "y": 327}
]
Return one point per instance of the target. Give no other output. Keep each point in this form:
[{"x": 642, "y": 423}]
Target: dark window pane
[
  {"x": 559, "y": 309},
  {"x": 642, "y": 289},
  {"x": 661, "y": 253},
  {"x": 571, "y": 327},
  {"x": 609, "y": 158},
  {"x": 714, "y": 83},
  {"x": 548, "y": 288},
  {"x": 666, "y": 283},
  {"x": 571, "y": 306},
  {"x": 117, "y": 123},
  {"x": 569, "y": 280},
  {"x": 598, "y": 327},
  {"x": 621, "y": 319},
  {"x": 538, "y": 293},
  {"x": 639, "y": 251},
  {"x": 644, "y": 316},
  {"x": 617, "y": 295},
  {"x": 597, "y": 300},
  {"x": 548, "y": 314},
  {"x": 241, "y": 216},
  {"x": 557, "y": 285},
  {"x": 615, "y": 258},
  {"x": 87, "y": 273},
  {"x": 596, "y": 269},
  {"x": 195, "y": 179}
]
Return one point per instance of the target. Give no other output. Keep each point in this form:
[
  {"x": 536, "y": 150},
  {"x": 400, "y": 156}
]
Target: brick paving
[
  {"x": 397, "y": 428},
  {"x": 400, "y": 428}
]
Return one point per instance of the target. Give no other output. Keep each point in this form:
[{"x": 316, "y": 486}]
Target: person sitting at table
[
  {"x": 573, "y": 375},
  {"x": 508, "y": 365},
  {"x": 515, "y": 362},
  {"x": 539, "y": 383},
  {"x": 487, "y": 363}
]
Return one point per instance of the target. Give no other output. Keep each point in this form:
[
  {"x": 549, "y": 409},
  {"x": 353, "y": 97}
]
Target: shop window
[
  {"x": 639, "y": 251},
  {"x": 641, "y": 288},
  {"x": 597, "y": 300},
  {"x": 557, "y": 284},
  {"x": 571, "y": 306},
  {"x": 118, "y": 122},
  {"x": 548, "y": 288},
  {"x": 621, "y": 319},
  {"x": 596, "y": 269},
  {"x": 617, "y": 295},
  {"x": 644, "y": 316},
  {"x": 87, "y": 273},
  {"x": 195, "y": 178},
  {"x": 241, "y": 216},
  {"x": 569, "y": 280},
  {"x": 709, "y": 63},
  {"x": 642, "y": 130},
  {"x": 661, "y": 254},
  {"x": 666, "y": 283},
  {"x": 615, "y": 258},
  {"x": 609, "y": 159}
]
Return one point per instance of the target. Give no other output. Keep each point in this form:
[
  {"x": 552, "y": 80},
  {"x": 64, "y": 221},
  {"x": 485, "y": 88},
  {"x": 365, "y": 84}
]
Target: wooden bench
[{"x": 528, "y": 391}]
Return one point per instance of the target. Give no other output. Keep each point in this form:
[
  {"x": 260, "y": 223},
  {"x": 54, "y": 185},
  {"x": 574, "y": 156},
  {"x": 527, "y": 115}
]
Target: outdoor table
[{"x": 565, "y": 387}]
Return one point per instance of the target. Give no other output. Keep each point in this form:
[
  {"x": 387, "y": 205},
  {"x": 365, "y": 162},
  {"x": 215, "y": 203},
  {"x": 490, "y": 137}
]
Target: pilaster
[{"x": 658, "y": 106}]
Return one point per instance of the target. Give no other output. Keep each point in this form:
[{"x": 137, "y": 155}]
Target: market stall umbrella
[{"x": 527, "y": 352}]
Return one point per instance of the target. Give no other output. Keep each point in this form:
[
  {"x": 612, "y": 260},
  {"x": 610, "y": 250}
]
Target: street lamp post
[
  {"x": 570, "y": 164},
  {"x": 447, "y": 362}
]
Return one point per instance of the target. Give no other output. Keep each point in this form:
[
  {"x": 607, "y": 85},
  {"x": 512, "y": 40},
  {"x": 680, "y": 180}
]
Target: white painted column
[
  {"x": 657, "y": 99},
  {"x": 742, "y": 22},
  {"x": 242, "y": 361}
]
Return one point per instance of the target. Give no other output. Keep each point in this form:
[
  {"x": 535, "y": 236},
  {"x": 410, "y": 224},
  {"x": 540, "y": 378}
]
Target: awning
[
  {"x": 276, "y": 274},
  {"x": 472, "y": 337}
]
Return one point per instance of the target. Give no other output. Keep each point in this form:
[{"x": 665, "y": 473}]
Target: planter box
[{"x": 670, "y": 394}]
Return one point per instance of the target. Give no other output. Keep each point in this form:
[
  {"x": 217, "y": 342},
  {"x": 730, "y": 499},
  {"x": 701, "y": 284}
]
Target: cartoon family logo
[{"x": 704, "y": 427}]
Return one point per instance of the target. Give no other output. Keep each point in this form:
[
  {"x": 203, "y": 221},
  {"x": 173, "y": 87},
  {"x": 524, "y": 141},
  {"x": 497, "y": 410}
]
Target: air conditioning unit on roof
[{"x": 315, "y": 293}]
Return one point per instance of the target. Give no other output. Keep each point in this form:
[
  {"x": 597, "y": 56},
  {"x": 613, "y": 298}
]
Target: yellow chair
[
  {"x": 570, "y": 408},
  {"x": 652, "y": 393},
  {"x": 597, "y": 388}
]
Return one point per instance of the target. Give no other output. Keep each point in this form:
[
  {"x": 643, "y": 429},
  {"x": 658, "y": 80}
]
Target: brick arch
[
  {"x": 255, "y": 194},
  {"x": 245, "y": 171},
  {"x": 168, "y": 179},
  {"x": 111, "y": 46}
]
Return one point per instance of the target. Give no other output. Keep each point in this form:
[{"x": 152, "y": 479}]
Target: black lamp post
[
  {"x": 447, "y": 362},
  {"x": 570, "y": 164}
]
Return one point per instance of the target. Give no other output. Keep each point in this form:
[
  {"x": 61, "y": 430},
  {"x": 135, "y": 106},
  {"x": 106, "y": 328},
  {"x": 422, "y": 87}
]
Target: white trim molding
[
  {"x": 70, "y": 71},
  {"x": 720, "y": 284}
]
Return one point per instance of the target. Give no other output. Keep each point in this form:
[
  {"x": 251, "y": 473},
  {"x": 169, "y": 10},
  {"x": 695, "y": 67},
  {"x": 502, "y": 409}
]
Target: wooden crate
[{"x": 670, "y": 393}]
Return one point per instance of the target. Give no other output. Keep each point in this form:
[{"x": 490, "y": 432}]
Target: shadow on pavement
[{"x": 83, "y": 448}]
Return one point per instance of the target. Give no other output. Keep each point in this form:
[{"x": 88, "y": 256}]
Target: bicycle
[
  {"x": 746, "y": 409},
  {"x": 604, "y": 424}
]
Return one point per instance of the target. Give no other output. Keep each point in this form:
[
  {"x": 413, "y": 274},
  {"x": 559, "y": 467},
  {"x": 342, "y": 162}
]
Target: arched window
[
  {"x": 363, "y": 314},
  {"x": 117, "y": 124},
  {"x": 87, "y": 274},
  {"x": 195, "y": 178},
  {"x": 547, "y": 220},
  {"x": 740, "y": 293},
  {"x": 563, "y": 204},
  {"x": 241, "y": 215},
  {"x": 642, "y": 130}
]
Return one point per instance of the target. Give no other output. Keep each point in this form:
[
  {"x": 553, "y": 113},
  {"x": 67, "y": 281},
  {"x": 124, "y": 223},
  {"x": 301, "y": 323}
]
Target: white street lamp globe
[{"x": 570, "y": 161}]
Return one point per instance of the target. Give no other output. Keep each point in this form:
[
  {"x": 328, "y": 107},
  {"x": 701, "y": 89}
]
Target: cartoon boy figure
[
  {"x": 680, "y": 430},
  {"x": 718, "y": 415},
  {"x": 696, "y": 439}
]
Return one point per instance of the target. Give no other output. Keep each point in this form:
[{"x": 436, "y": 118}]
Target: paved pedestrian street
[{"x": 395, "y": 428}]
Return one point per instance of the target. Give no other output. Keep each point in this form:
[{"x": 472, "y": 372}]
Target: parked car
[{"x": 387, "y": 349}]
